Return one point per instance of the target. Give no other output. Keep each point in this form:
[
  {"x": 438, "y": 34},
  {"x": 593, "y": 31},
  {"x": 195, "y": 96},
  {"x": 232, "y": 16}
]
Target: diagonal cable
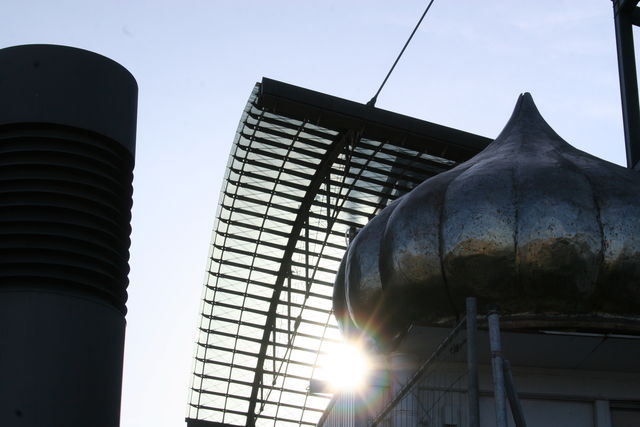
[{"x": 372, "y": 102}]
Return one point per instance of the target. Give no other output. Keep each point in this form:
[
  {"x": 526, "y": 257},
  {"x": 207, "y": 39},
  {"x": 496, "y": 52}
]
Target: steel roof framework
[{"x": 305, "y": 170}]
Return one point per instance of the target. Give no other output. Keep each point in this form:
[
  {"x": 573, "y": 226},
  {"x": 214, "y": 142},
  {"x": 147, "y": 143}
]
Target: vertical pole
[
  {"x": 497, "y": 365},
  {"x": 602, "y": 413},
  {"x": 472, "y": 363},
  {"x": 623, "y": 19}
]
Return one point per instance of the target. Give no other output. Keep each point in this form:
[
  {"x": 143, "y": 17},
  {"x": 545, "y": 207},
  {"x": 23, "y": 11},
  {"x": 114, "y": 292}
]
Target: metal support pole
[
  {"x": 514, "y": 402},
  {"x": 497, "y": 365},
  {"x": 602, "y": 413},
  {"x": 472, "y": 363},
  {"x": 623, "y": 18}
]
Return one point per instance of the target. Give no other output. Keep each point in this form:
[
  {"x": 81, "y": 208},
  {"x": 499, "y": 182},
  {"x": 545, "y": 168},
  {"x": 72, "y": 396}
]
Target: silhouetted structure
[
  {"x": 548, "y": 232},
  {"x": 67, "y": 142},
  {"x": 306, "y": 171}
]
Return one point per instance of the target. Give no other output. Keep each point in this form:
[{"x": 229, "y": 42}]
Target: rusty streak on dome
[{"x": 549, "y": 233}]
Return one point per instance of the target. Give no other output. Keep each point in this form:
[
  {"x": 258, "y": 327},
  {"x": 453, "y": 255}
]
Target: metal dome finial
[{"x": 549, "y": 232}]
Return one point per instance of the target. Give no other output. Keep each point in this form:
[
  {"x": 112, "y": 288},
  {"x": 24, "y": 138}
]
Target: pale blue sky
[{"x": 197, "y": 61}]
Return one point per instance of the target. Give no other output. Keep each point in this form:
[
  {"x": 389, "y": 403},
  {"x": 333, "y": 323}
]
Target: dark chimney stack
[{"x": 67, "y": 145}]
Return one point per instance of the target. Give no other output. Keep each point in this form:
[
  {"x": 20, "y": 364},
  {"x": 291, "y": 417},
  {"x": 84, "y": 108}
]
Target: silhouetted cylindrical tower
[{"x": 67, "y": 143}]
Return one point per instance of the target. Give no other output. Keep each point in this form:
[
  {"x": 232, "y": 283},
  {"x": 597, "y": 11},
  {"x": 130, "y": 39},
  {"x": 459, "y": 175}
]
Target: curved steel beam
[{"x": 336, "y": 147}]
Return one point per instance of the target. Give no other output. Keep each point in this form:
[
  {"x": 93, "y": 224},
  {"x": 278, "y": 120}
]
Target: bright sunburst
[{"x": 346, "y": 367}]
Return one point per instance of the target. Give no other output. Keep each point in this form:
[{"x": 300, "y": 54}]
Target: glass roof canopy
[{"x": 306, "y": 171}]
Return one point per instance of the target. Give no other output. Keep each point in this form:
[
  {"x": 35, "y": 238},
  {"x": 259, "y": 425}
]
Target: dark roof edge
[
  {"x": 203, "y": 423},
  {"x": 339, "y": 113}
]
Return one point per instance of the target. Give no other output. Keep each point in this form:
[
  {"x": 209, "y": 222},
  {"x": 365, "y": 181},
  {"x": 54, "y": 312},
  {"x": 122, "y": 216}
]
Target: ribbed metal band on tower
[{"x": 67, "y": 146}]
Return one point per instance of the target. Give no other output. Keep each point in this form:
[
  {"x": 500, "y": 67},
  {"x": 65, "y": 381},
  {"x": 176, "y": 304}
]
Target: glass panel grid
[{"x": 270, "y": 175}]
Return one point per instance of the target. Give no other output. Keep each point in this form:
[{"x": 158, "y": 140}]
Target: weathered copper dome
[{"x": 549, "y": 233}]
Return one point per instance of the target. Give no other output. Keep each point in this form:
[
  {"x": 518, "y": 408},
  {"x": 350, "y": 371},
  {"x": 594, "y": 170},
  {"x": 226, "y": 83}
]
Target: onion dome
[{"x": 549, "y": 233}]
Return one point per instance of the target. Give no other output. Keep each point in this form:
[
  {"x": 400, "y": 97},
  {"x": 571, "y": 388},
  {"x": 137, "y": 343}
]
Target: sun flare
[{"x": 346, "y": 367}]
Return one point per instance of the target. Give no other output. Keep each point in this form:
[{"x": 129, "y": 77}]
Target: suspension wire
[{"x": 372, "y": 102}]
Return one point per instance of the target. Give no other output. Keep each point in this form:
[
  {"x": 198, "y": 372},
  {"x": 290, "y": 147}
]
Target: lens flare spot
[{"x": 346, "y": 367}]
